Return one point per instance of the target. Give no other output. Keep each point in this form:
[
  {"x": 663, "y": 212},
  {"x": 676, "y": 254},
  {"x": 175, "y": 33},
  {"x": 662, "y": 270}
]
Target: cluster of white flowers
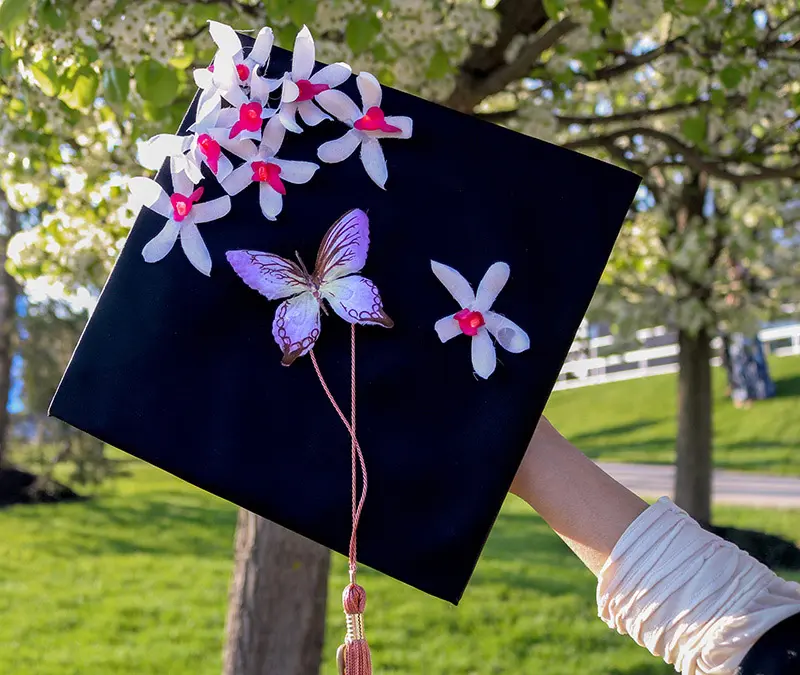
[
  {"x": 233, "y": 104},
  {"x": 632, "y": 16}
]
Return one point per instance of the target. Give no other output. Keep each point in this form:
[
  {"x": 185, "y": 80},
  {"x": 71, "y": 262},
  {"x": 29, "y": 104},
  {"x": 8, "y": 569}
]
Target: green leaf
[
  {"x": 685, "y": 93},
  {"x": 155, "y": 83},
  {"x": 553, "y": 7},
  {"x": 601, "y": 17},
  {"x": 718, "y": 98},
  {"x": 694, "y": 128},
  {"x": 439, "y": 66},
  {"x": 731, "y": 76},
  {"x": 83, "y": 90},
  {"x": 54, "y": 15},
  {"x": 12, "y": 15},
  {"x": 753, "y": 99},
  {"x": 46, "y": 77},
  {"x": 302, "y": 11},
  {"x": 361, "y": 31},
  {"x": 6, "y": 61},
  {"x": 116, "y": 84},
  {"x": 693, "y": 7}
]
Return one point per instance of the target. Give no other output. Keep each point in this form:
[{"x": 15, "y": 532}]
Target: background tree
[{"x": 699, "y": 97}]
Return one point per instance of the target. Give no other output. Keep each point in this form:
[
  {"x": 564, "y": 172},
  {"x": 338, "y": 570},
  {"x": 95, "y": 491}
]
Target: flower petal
[
  {"x": 332, "y": 75},
  {"x": 208, "y": 112},
  {"x": 260, "y": 88},
  {"x": 508, "y": 334},
  {"x": 224, "y": 168},
  {"x": 370, "y": 90},
  {"x": 190, "y": 165},
  {"x": 405, "y": 125},
  {"x": 339, "y": 149},
  {"x": 373, "y": 160},
  {"x": 295, "y": 172},
  {"x": 290, "y": 91},
  {"x": 262, "y": 47},
  {"x": 225, "y": 74},
  {"x": 311, "y": 114},
  {"x": 214, "y": 209},
  {"x": 152, "y": 152},
  {"x": 238, "y": 179},
  {"x": 157, "y": 248},
  {"x": 447, "y": 328},
  {"x": 147, "y": 192},
  {"x": 225, "y": 38},
  {"x": 235, "y": 96},
  {"x": 492, "y": 283},
  {"x": 304, "y": 55},
  {"x": 181, "y": 183},
  {"x": 455, "y": 283},
  {"x": 241, "y": 147},
  {"x": 274, "y": 133},
  {"x": 203, "y": 78},
  {"x": 270, "y": 200},
  {"x": 227, "y": 118},
  {"x": 340, "y": 105},
  {"x": 287, "y": 117},
  {"x": 195, "y": 248},
  {"x": 484, "y": 359}
]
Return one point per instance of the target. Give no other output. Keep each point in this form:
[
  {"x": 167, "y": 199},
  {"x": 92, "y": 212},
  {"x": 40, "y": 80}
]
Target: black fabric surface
[
  {"x": 182, "y": 370},
  {"x": 777, "y": 652}
]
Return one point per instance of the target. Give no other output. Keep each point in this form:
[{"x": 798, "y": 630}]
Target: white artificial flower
[
  {"x": 476, "y": 319},
  {"x": 368, "y": 124},
  {"x": 301, "y": 88},
  {"x": 182, "y": 212},
  {"x": 263, "y": 167}
]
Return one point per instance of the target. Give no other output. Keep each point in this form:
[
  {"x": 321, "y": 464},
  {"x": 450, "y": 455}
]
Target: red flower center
[
  {"x": 243, "y": 71},
  {"x": 182, "y": 205},
  {"x": 469, "y": 322},
  {"x": 374, "y": 120},
  {"x": 308, "y": 90},
  {"x": 210, "y": 148},
  {"x": 264, "y": 172},
  {"x": 249, "y": 119}
]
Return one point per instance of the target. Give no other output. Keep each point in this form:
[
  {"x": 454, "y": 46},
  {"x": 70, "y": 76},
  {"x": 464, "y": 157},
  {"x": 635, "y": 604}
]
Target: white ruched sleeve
[{"x": 688, "y": 596}]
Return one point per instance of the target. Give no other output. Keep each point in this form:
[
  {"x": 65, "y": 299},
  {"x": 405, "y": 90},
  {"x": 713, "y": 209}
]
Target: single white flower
[
  {"x": 263, "y": 167},
  {"x": 230, "y": 71},
  {"x": 182, "y": 212},
  {"x": 209, "y": 134},
  {"x": 301, "y": 88},
  {"x": 367, "y": 126},
  {"x": 476, "y": 319}
]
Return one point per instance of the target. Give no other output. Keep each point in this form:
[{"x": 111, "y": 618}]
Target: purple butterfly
[{"x": 342, "y": 253}]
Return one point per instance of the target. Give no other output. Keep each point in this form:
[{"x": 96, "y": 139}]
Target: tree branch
[
  {"x": 635, "y": 115},
  {"x": 633, "y": 61},
  {"x": 691, "y": 157}
]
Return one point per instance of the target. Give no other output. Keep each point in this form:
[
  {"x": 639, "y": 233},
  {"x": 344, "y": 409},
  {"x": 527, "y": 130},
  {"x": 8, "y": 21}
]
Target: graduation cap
[{"x": 314, "y": 245}]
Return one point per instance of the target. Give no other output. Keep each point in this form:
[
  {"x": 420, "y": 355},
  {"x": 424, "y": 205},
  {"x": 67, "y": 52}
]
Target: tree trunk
[
  {"x": 693, "y": 476},
  {"x": 276, "y": 610},
  {"x": 8, "y": 320}
]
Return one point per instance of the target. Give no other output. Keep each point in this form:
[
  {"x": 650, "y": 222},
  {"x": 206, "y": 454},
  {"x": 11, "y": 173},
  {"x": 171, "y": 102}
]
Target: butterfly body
[{"x": 342, "y": 253}]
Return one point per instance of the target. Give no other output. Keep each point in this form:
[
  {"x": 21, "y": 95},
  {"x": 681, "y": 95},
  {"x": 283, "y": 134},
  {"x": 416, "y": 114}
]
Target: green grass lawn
[
  {"x": 634, "y": 421},
  {"x": 134, "y": 582}
]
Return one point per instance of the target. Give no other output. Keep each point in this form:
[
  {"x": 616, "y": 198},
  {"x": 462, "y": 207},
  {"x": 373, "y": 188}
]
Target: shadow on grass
[
  {"x": 162, "y": 524},
  {"x": 787, "y": 386},
  {"x": 615, "y": 431}
]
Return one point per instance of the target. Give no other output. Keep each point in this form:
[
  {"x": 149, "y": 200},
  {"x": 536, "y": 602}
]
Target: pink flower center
[
  {"x": 469, "y": 322},
  {"x": 249, "y": 119},
  {"x": 264, "y": 172},
  {"x": 308, "y": 90},
  {"x": 210, "y": 148},
  {"x": 243, "y": 71},
  {"x": 182, "y": 205},
  {"x": 374, "y": 120}
]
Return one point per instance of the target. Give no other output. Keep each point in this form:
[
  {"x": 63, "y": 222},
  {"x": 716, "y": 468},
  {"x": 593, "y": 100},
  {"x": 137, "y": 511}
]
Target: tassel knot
[{"x": 354, "y": 657}]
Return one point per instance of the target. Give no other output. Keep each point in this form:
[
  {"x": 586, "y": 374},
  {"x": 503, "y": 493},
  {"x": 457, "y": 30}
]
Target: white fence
[{"x": 585, "y": 367}]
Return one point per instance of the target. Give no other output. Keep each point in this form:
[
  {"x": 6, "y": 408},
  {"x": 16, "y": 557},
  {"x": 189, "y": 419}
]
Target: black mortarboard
[{"x": 183, "y": 370}]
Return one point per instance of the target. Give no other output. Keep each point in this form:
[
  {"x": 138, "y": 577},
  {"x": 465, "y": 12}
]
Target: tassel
[{"x": 353, "y": 657}]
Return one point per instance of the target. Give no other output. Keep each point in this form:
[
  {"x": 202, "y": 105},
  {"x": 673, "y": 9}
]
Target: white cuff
[{"x": 688, "y": 596}]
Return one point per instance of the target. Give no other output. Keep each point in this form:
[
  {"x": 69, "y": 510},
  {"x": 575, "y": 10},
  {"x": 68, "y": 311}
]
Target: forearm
[{"x": 587, "y": 508}]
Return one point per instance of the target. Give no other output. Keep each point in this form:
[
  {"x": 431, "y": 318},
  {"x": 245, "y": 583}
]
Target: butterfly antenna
[{"x": 302, "y": 264}]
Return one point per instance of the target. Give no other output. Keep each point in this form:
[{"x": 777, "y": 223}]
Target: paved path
[{"x": 749, "y": 489}]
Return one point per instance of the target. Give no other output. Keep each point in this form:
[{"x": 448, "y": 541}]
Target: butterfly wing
[
  {"x": 272, "y": 276},
  {"x": 344, "y": 247},
  {"x": 357, "y": 300},
  {"x": 296, "y": 326}
]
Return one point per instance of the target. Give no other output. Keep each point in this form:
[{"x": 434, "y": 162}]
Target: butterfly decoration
[{"x": 342, "y": 253}]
